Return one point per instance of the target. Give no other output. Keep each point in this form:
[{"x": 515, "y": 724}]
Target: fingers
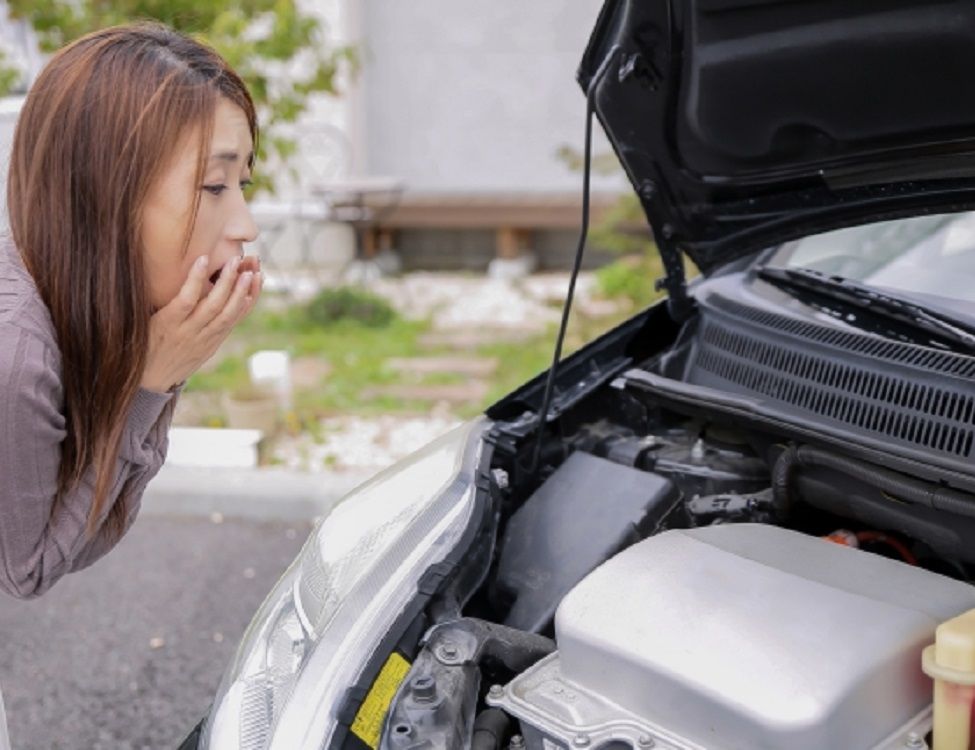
[
  {"x": 235, "y": 306},
  {"x": 189, "y": 294},
  {"x": 230, "y": 299},
  {"x": 257, "y": 284},
  {"x": 215, "y": 302},
  {"x": 250, "y": 263}
]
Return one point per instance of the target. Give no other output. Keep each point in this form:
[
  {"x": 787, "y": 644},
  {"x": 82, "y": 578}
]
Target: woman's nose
[{"x": 242, "y": 227}]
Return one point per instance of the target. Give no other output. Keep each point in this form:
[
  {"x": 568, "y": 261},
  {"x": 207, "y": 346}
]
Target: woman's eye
[{"x": 217, "y": 189}]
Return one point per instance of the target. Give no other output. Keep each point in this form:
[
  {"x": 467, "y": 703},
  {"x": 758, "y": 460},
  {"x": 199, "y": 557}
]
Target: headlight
[{"x": 357, "y": 572}]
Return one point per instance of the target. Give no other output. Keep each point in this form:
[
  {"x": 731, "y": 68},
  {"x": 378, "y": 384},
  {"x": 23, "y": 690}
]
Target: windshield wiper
[{"x": 889, "y": 307}]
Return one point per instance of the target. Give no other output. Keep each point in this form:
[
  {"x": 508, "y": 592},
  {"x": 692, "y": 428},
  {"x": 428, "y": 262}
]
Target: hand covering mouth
[{"x": 247, "y": 263}]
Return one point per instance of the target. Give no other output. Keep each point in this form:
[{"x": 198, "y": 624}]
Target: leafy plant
[
  {"x": 630, "y": 277},
  {"x": 280, "y": 52},
  {"x": 330, "y": 306},
  {"x": 623, "y": 229},
  {"x": 10, "y": 75}
]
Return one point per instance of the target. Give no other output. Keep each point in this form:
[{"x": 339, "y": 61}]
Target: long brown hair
[{"x": 98, "y": 126}]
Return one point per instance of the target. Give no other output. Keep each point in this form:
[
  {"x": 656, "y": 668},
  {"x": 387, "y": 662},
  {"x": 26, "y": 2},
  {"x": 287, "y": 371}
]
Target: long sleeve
[
  {"x": 154, "y": 448},
  {"x": 36, "y": 549}
]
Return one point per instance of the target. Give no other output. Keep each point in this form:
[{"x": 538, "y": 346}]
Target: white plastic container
[{"x": 270, "y": 369}]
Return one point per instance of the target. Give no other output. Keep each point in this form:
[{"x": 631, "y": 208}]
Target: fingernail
[
  {"x": 202, "y": 261},
  {"x": 245, "y": 278},
  {"x": 235, "y": 262}
]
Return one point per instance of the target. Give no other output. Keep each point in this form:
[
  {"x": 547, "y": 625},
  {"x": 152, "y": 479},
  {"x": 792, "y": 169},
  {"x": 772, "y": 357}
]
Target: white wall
[
  {"x": 474, "y": 96},
  {"x": 9, "y": 110},
  {"x": 19, "y": 44}
]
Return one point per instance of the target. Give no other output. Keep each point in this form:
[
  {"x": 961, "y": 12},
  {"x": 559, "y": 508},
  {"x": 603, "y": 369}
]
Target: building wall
[
  {"x": 19, "y": 44},
  {"x": 474, "y": 96}
]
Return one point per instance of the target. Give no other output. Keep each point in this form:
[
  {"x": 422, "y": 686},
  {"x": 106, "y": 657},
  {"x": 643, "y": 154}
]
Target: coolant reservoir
[{"x": 950, "y": 662}]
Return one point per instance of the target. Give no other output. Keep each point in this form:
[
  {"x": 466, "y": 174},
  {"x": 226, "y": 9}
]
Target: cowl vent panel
[{"x": 916, "y": 396}]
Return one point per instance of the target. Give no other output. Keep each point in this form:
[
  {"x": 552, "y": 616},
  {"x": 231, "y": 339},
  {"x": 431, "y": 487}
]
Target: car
[{"x": 737, "y": 520}]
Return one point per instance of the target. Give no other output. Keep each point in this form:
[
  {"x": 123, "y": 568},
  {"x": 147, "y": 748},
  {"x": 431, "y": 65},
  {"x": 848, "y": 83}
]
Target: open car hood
[{"x": 744, "y": 123}]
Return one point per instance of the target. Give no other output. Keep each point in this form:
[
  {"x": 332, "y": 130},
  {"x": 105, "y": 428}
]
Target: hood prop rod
[{"x": 580, "y": 248}]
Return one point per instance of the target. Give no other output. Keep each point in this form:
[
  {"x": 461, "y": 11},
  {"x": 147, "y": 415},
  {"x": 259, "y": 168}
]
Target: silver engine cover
[{"x": 741, "y": 637}]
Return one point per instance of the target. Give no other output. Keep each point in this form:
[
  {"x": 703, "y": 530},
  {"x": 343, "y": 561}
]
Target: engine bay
[{"x": 673, "y": 576}]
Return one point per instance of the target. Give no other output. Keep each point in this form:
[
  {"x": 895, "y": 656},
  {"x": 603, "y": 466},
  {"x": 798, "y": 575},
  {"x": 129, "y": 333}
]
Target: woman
[
  {"x": 121, "y": 276},
  {"x": 127, "y": 220}
]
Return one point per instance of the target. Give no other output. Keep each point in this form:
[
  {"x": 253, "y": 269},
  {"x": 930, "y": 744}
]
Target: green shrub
[
  {"x": 330, "y": 306},
  {"x": 631, "y": 277},
  {"x": 634, "y": 277}
]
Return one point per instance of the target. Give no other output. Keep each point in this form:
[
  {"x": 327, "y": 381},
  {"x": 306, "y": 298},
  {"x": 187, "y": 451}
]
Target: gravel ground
[
  {"x": 464, "y": 301},
  {"x": 363, "y": 445},
  {"x": 127, "y": 654}
]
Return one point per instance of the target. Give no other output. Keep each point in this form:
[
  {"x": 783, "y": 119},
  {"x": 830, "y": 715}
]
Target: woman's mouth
[{"x": 247, "y": 263}]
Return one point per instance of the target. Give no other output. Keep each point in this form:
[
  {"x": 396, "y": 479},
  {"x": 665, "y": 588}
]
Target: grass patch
[
  {"x": 357, "y": 349},
  {"x": 230, "y": 374},
  {"x": 520, "y": 362}
]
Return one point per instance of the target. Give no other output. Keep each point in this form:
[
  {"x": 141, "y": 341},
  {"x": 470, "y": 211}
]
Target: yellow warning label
[{"x": 368, "y": 722}]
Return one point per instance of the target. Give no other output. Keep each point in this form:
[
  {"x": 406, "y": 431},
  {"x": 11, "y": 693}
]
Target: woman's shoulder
[{"x": 22, "y": 311}]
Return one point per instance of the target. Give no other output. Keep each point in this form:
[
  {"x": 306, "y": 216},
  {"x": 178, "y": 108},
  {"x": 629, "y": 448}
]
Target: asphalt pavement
[{"x": 127, "y": 654}]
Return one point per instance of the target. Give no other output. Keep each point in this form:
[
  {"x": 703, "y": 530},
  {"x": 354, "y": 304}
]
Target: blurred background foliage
[
  {"x": 624, "y": 230},
  {"x": 349, "y": 303},
  {"x": 282, "y": 54},
  {"x": 10, "y": 76}
]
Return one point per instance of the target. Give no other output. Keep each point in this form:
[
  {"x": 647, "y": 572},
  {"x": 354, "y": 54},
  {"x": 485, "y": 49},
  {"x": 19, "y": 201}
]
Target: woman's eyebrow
[{"x": 230, "y": 156}]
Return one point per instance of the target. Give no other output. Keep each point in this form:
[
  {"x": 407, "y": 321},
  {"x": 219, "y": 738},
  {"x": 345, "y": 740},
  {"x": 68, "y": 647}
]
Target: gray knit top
[{"x": 36, "y": 549}]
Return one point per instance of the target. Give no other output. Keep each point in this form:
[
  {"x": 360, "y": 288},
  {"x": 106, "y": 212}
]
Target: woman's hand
[{"x": 185, "y": 333}]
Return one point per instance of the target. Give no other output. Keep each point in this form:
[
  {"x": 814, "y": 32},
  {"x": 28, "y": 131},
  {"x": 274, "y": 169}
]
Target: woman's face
[{"x": 224, "y": 221}]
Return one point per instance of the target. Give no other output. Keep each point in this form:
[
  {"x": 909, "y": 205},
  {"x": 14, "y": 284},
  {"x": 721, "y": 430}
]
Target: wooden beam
[{"x": 511, "y": 243}]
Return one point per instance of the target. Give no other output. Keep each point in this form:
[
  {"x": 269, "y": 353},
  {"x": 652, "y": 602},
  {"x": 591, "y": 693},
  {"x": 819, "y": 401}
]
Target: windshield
[{"x": 930, "y": 259}]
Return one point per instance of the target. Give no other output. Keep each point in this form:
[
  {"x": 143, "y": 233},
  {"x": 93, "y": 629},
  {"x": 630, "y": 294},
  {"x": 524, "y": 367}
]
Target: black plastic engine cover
[{"x": 588, "y": 510}]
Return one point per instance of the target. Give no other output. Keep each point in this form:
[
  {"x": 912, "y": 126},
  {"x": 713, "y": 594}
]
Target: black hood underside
[{"x": 744, "y": 123}]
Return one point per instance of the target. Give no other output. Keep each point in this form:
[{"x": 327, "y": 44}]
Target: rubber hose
[
  {"x": 905, "y": 488},
  {"x": 490, "y": 730},
  {"x": 912, "y": 490},
  {"x": 782, "y": 483}
]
